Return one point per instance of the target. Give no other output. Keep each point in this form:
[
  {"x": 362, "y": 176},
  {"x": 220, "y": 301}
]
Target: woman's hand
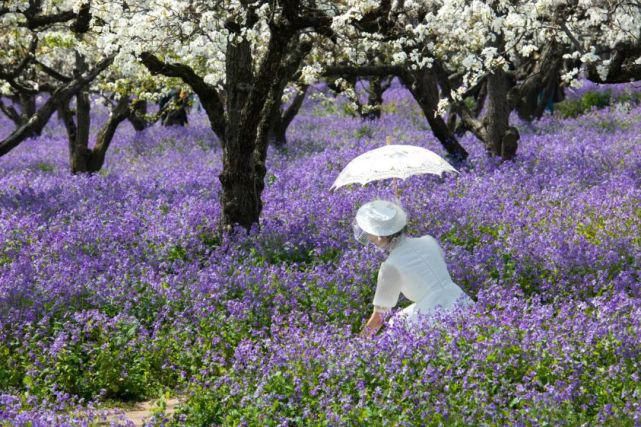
[{"x": 373, "y": 325}]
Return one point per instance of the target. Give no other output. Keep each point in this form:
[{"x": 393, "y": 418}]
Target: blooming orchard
[
  {"x": 115, "y": 285},
  {"x": 239, "y": 57}
]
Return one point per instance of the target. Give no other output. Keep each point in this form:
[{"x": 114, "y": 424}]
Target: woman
[{"x": 414, "y": 266}]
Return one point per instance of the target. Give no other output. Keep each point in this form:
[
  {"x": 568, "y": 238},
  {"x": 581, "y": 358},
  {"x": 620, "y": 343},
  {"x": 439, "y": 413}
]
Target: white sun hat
[{"x": 381, "y": 218}]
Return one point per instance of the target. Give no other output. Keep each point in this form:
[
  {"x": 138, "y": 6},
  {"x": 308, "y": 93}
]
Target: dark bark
[
  {"x": 282, "y": 119},
  {"x": 137, "y": 115},
  {"x": 242, "y": 122},
  {"x": 81, "y": 152},
  {"x": 239, "y": 197},
  {"x": 11, "y": 113},
  {"x": 375, "y": 90},
  {"x": 82, "y": 158},
  {"x": 494, "y": 131},
  {"x": 453, "y": 123},
  {"x": 35, "y": 125},
  {"x": 539, "y": 84},
  {"x": 66, "y": 115},
  {"x": 377, "y": 85},
  {"x": 242, "y": 119},
  {"x": 479, "y": 99},
  {"x": 478, "y": 94},
  {"x": 622, "y": 68},
  {"x": 207, "y": 94},
  {"x": 82, "y": 19},
  {"x": 105, "y": 135},
  {"x": 10, "y": 75},
  {"x": 294, "y": 107},
  {"x": 424, "y": 89},
  {"x": 372, "y": 110},
  {"x": 501, "y": 137},
  {"x": 37, "y": 21},
  {"x": 52, "y": 72},
  {"x": 27, "y": 106},
  {"x": 250, "y": 102}
]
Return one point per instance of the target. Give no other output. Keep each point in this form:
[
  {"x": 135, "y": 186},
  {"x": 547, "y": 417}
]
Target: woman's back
[{"x": 421, "y": 266}]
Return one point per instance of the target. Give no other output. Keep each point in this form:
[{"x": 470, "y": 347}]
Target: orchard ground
[{"x": 116, "y": 287}]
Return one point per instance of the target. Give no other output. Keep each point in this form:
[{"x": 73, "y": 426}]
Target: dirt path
[{"x": 142, "y": 411}]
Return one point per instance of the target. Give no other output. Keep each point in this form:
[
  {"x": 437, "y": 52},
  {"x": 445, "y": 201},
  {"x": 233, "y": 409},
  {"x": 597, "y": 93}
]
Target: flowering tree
[
  {"x": 604, "y": 38},
  {"x": 521, "y": 51},
  {"x": 447, "y": 51},
  {"x": 36, "y": 36},
  {"x": 374, "y": 47},
  {"x": 507, "y": 54},
  {"x": 237, "y": 56},
  {"x": 468, "y": 44}
]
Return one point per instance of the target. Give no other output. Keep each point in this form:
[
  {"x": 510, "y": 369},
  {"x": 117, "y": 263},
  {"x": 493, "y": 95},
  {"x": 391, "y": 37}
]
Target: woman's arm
[{"x": 388, "y": 289}]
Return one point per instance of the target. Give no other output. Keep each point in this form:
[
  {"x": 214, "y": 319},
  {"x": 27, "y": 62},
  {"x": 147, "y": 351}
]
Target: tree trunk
[
  {"x": 501, "y": 138},
  {"x": 375, "y": 90},
  {"x": 424, "y": 88},
  {"x": 27, "y": 106},
  {"x": 277, "y": 129},
  {"x": 479, "y": 99},
  {"x": 281, "y": 120},
  {"x": 541, "y": 84},
  {"x": 242, "y": 120},
  {"x": 80, "y": 152},
  {"x": 83, "y": 159},
  {"x": 105, "y": 135},
  {"x": 479, "y": 94},
  {"x": 239, "y": 199},
  {"x": 66, "y": 115},
  {"x": 494, "y": 131},
  {"x": 10, "y": 112},
  {"x": 137, "y": 116},
  {"x": 250, "y": 103}
]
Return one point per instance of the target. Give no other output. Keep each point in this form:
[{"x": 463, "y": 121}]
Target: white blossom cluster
[
  {"x": 473, "y": 38},
  {"x": 468, "y": 37}
]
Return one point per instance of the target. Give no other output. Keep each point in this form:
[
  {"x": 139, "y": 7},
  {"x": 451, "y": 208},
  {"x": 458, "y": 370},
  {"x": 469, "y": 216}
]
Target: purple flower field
[{"x": 117, "y": 287}]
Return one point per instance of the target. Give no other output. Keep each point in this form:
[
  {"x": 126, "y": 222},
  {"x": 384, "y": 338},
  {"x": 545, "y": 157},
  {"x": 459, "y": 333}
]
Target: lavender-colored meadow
[{"x": 117, "y": 287}]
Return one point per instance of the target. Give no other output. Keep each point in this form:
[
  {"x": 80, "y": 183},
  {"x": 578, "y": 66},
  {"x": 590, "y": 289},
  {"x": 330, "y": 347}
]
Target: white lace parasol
[{"x": 392, "y": 161}]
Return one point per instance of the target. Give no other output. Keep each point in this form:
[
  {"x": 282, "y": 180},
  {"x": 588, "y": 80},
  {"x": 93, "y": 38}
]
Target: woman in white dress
[{"x": 414, "y": 266}]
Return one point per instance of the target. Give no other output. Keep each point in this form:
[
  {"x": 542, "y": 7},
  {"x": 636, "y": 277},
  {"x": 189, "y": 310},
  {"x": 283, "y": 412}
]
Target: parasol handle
[
  {"x": 388, "y": 141},
  {"x": 396, "y": 190}
]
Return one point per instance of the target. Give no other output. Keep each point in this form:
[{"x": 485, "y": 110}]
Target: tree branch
[
  {"x": 34, "y": 22},
  {"x": 293, "y": 108},
  {"x": 207, "y": 94},
  {"x": 621, "y": 69},
  {"x": 53, "y": 73},
  {"x": 10, "y": 112},
  {"x": 83, "y": 19},
  {"x": 10, "y": 75},
  {"x": 105, "y": 135},
  {"x": 364, "y": 71},
  {"x": 37, "y": 122},
  {"x": 473, "y": 124}
]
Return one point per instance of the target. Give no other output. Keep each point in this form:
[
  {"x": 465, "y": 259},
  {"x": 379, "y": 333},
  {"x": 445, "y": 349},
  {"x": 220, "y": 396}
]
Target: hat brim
[{"x": 375, "y": 228}]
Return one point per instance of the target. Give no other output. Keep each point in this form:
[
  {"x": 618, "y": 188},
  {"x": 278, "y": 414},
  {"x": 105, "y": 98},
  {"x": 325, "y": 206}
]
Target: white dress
[{"x": 416, "y": 267}]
